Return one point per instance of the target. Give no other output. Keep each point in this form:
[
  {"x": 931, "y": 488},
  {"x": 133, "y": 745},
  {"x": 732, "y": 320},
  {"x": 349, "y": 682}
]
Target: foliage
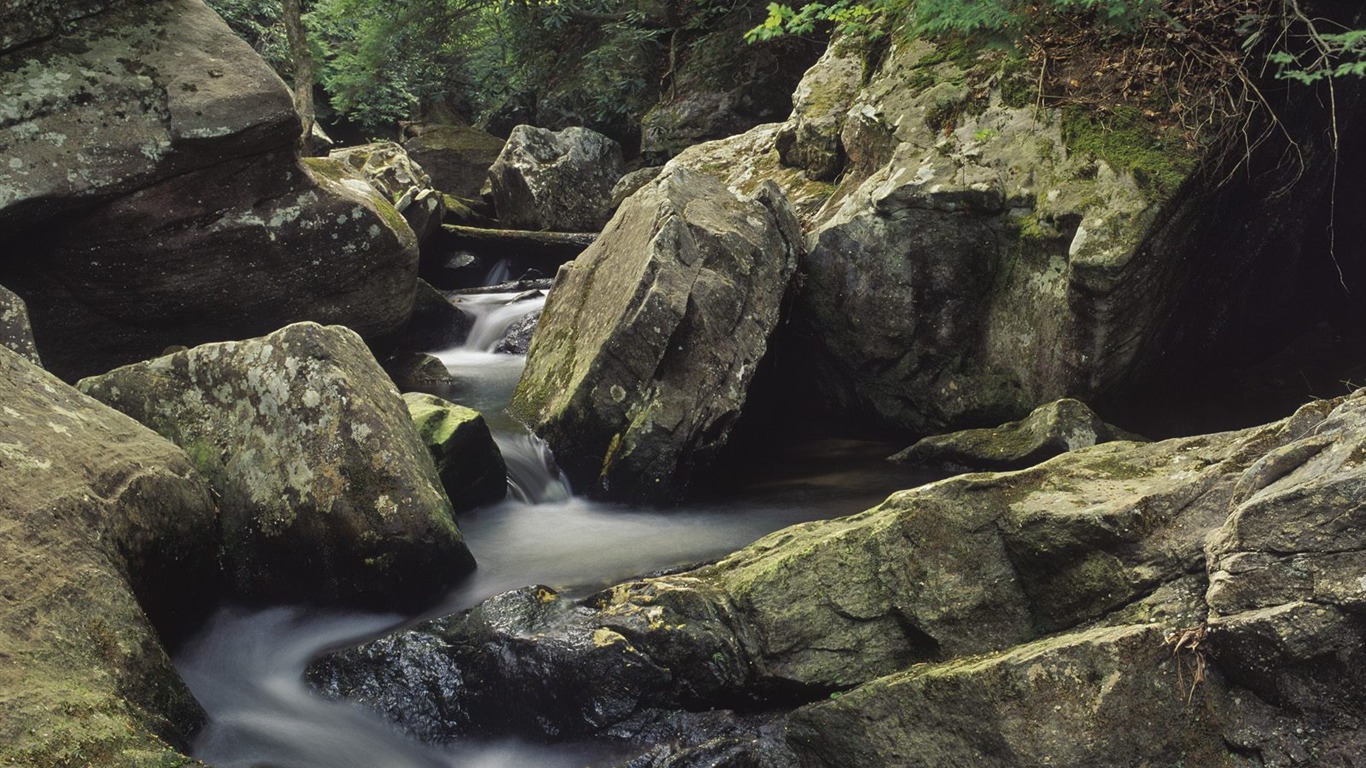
[
  {"x": 1333, "y": 54},
  {"x": 258, "y": 22}
]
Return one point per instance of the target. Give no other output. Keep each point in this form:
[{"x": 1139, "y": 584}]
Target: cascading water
[{"x": 247, "y": 667}]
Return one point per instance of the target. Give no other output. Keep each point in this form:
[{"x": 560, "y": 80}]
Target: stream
[{"x": 247, "y": 666}]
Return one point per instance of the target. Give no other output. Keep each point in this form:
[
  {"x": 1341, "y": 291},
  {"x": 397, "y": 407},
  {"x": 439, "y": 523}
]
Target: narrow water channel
[{"x": 247, "y": 667}]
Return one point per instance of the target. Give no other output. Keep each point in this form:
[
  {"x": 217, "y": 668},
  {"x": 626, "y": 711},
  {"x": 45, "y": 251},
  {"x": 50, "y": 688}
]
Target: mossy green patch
[{"x": 1129, "y": 142}]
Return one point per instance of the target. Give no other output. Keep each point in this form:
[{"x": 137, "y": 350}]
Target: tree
[{"x": 292, "y": 13}]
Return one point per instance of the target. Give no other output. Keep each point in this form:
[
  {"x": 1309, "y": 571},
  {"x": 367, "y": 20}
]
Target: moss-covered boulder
[
  {"x": 457, "y": 157},
  {"x": 643, "y": 355},
  {"x": 327, "y": 493},
  {"x": 558, "y": 181},
  {"x": 1052, "y": 428},
  {"x": 468, "y": 461},
  {"x": 15, "y": 331},
  {"x": 389, "y": 169},
  {"x": 810, "y": 139},
  {"x": 105, "y": 530},
  {"x": 1055, "y": 615},
  {"x": 152, "y": 195}
]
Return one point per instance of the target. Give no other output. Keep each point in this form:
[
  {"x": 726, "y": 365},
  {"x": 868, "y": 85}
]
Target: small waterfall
[
  {"x": 494, "y": 314},
  {"x": 533, "y": 477}
]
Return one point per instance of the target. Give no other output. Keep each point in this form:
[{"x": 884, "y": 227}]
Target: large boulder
[
  {"x": 982, "y": 256},
  {"x": 644, "y": 353},
  {"x": 457, "y": 157},
  {"x": 462, "y": 448},
  {"x": 559, "y": 181},
  {"x": 105, "y": 531},
  {"x": 993, "y": 619},
  {"x": 389, "y": 169},
  {"x": 15, "y": 331},
  {"x": 810, "y": 139},
  {"x": 1052, "y": 428},
  {"x": 153, "y": 195},
  {"x": 327, "y": 493}
]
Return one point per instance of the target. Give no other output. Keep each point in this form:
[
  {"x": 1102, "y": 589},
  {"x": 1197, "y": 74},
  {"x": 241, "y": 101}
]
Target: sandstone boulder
[
  {"x": 403, "y": 182},
  {"x": 457, "y": 157},
  {"x": 462, "y": 448},
  {"x": 1053, "y": 428},
  {"x": 15, "y": 331},
  {"x": 558, "y": 181},
  {"x": 645, "y": 349},
  {"x": 105, "y": 531},
  {"x": 327, "y": 493}
]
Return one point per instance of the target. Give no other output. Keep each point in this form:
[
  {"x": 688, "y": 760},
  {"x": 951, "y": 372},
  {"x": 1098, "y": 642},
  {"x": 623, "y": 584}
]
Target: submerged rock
[
  {"x": 1053, "y": 428},
  {"x": 15, "y": 331},
  {"x": 327, "y": 492},
  {"x": 559, "y": 181},
  {"x": 103, "y": 526},
  {"x": 467, "y": 460},
  {"x": 645, "y": 350}
]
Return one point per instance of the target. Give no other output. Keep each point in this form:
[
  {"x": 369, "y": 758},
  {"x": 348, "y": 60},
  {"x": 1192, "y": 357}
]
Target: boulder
[
  {"x": 810, "y": 139},
  {"x": 1055, "y": 615},
  {"x": 1053, "y": 428},
  {"x": 436, "y": 323},
  {"x": 647, "y": 344},
  {"x": 982, "y": 256},
  {"x": 23, "y": 21},
  {"x": 180, "y": 212},
  {"x": 517, "y": 340},
  {"x": 417, "y": 371},
  {"x": 558, "y": 181},
  {"x": 632, "y": 182},
  {"x": 327, "y": 493},
  {"x": 108, "y": 538},
  {"x": 457, "y": 157},
  {"x": 15, "y": 331},
  {"x": 467, "y": 460},
  {"x": 403, "y": 183}
]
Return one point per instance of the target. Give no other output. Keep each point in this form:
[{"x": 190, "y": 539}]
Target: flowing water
[{"x": 246, "y": 667}]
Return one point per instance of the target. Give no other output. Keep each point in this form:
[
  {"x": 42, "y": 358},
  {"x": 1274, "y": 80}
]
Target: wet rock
[
  {"x": 393, "y": 173},
  {"x": 557, "y": 181},
  {"x": 106, "y": 530},
  {"x": 1053, "y": 428},
  {"x": 462, "y": 448},
  {"x": 327, "y": 493},
  {"x": 456, "y": 156},
  {"x": 417, "y": 371},
  {"x": 810, "y": 139},
  {"x": 648, "y": 341},
  {"x": 517, "y": 340},
  {"x": 15, "y": 332}
]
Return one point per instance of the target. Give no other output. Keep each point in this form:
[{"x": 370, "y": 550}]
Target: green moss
[
  {"x": 1129, "y": 143},
  {"x": 1018, "y": 88}
]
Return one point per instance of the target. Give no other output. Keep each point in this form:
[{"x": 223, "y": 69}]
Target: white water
[{"x": 247, "y": 668}]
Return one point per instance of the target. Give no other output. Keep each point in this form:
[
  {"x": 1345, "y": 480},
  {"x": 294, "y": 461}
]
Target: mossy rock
[{"x": 466, "y": 457}]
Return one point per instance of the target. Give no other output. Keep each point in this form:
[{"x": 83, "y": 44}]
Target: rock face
[
  {"x": 648, "y": 341},
  {"x": 403, "y": 183},
  {"x": 989, "y": 619},
  {"x": 97, "y": 515},
  {"x": 456, "y": 156},
  {"x": 810, "y": 139},
  {"x": 462, "y": 448},
  {"x": 15, "y": 331},
  {"x": 1054, "y": 428},
  {"x": 981, "y": 257},
  {"x": 178, "y": 212},
  {"x": 558, "y": 181},
  {"x": 327, "y": 493}
]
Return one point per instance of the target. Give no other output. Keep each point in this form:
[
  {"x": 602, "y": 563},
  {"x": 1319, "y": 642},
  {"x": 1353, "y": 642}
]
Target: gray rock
[
  {"x": 23, "y": 21},
  {"x": 103, "y": 526},
  {"x": 15, "y": 331},
  {"x": 810, "y": 139},
  {"x": 649, "y": 340},
  {"x": 468, "y": 461},
  {"x": 456, "y": 156},
  {"x": 1053, "y": 428},
  {"x": 389, "y": 169},
  {"x": 327, "y": 493},
  {"x": 630, "y": 183},
  {"x": 152, "y": 178},
  {"x": 558, "y": 181},
  {"x": 417, "y": 371},
  {"x": 517, "y": 340}
]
